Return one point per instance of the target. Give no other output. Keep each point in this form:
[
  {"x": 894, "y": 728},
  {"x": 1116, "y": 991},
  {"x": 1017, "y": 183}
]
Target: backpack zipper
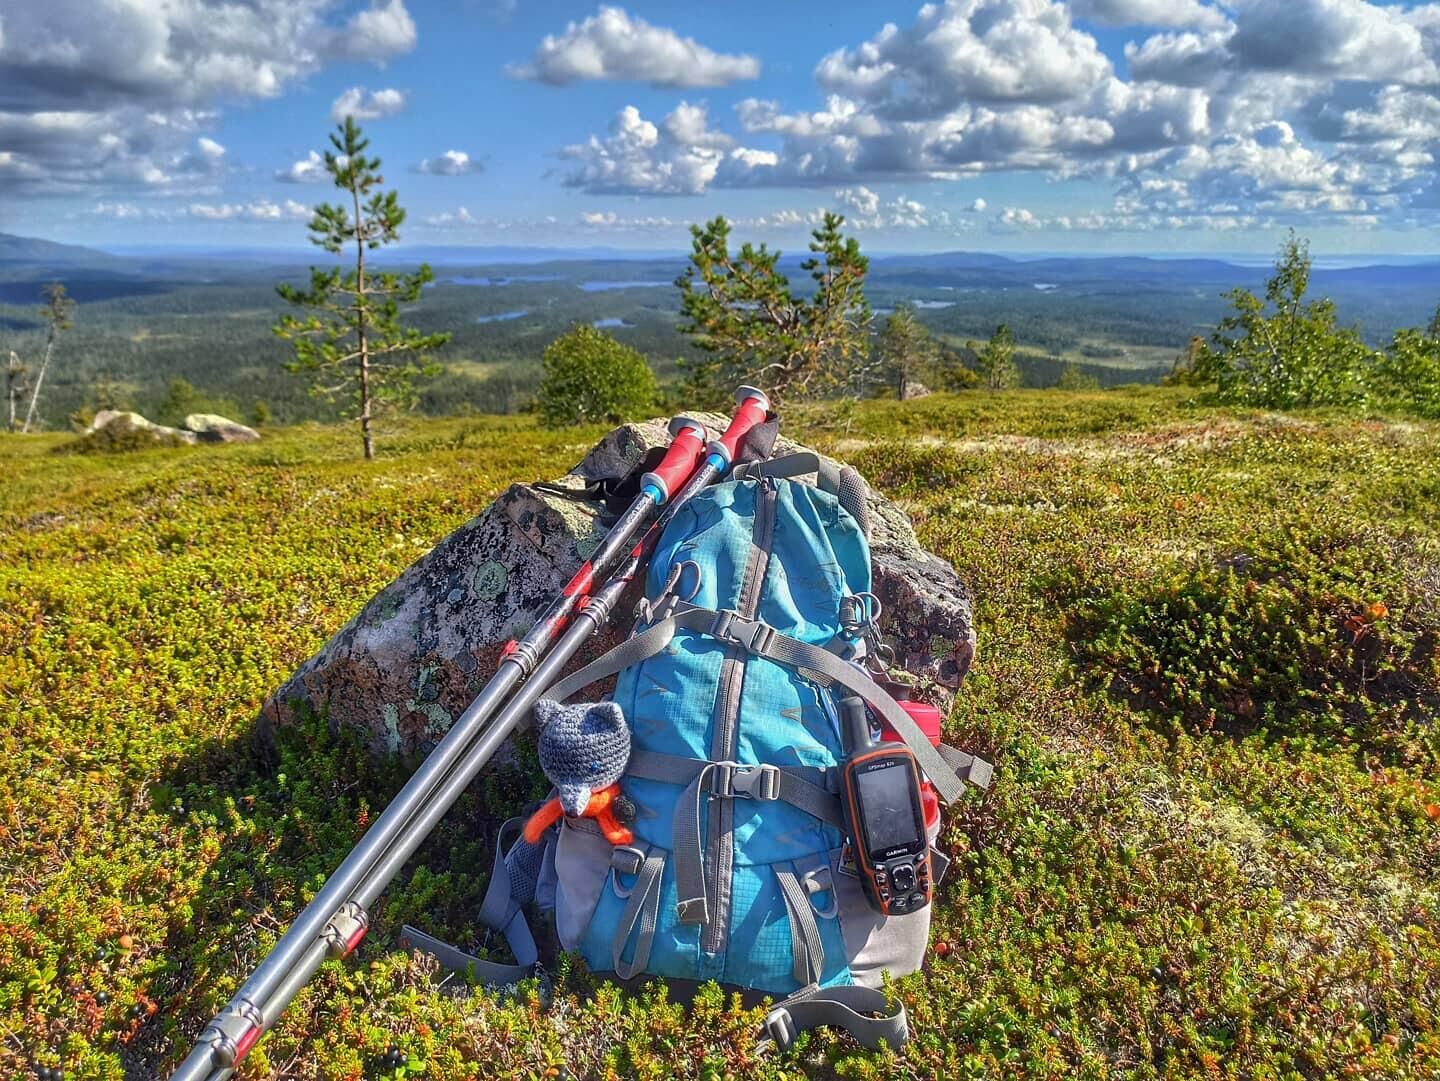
[{"x": 720, "y": 842}]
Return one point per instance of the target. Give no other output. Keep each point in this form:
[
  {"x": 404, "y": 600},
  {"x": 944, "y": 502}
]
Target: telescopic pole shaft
[
  {"x": 230, "y": 1036},
  {"x": 370, "y": 867},
  {"x": 594, "y": 615},
  {"x": 516, "y": 712}
]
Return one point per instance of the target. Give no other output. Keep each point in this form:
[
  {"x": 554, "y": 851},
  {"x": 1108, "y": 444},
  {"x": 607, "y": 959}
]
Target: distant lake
[
  {"x": 934, "y": 304},
  {"x": 502, "y": 316},
  {"x": 512, "y": 279},
  {"x": 1046, "y": 287},
  {"x": 611, "y": 321},
  {"x": 603, "y": 287}
]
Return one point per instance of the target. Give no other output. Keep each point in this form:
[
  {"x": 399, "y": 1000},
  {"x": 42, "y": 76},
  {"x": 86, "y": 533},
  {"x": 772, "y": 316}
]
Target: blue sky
[{"x": 1010, "y": 125}]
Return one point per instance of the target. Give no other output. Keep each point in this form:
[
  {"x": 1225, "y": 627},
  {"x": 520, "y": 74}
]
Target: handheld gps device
[{"x": 880, "y": 794}]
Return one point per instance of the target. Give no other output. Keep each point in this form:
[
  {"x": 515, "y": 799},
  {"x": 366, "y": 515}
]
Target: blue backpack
[{"x": 757, "y": 618}]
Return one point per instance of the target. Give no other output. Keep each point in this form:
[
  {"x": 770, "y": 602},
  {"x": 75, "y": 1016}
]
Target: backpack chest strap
[
  {"x": 810, "y": 788},
  {"x": 948, "y": 773},
  {"x": 799, "y": 786}
]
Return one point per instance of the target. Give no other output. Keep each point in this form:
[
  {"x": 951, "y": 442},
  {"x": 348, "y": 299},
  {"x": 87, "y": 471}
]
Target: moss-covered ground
[{"x": 1207, "y": 675}]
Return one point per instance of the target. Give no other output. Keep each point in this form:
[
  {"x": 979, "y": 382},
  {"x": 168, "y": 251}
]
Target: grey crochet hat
[{"x": 583, "y": 748}]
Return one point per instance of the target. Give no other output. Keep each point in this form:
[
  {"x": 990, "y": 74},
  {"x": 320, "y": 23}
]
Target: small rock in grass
[{"x": 213, "y": 428}]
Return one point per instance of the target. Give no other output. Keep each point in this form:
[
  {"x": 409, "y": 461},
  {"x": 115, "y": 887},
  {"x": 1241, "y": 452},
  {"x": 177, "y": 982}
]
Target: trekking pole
[
  {"x": 234, "y": 1031},
  {"x": 333, "y": 924},
  {"x": 592, "y": 616}
]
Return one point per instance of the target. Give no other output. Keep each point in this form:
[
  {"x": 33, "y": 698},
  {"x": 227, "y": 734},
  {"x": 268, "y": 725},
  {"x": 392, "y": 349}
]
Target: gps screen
[{"x": 888, "y": 806}]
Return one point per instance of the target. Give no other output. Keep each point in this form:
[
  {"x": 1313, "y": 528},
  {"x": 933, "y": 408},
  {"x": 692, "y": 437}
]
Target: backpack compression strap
[
  {"x": 863, "y": 1012},
  {"x": 818, "y": 664}
]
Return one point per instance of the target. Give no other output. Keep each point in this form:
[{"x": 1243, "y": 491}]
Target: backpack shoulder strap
[
  {"x": 863, "y": 1012},
  {"x": 512, "y": 884}
]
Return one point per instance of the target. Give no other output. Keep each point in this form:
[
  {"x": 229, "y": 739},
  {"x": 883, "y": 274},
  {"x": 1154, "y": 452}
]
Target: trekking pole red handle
[
  {"x": 687, "y": 445},
  {"x": 754, "y": 408}
]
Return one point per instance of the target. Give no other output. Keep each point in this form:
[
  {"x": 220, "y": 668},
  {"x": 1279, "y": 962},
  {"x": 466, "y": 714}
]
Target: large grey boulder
[
  {"x": 909, "y": 391},
  {"x": 421, "y": 648},
  {"x": 213, "y": 428},
  {"x": 115, "y": 425}
]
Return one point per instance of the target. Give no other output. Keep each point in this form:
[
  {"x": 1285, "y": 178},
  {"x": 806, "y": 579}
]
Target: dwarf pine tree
[
  {"x": 1283, "y": 351},
  {"x": 998, "y": 370},
  {"x": 352, "y": 344},
  {"x": 1408, "y": 373},
  {"x": 742, "y": 313},
  {"x": 906, "y": 350}
]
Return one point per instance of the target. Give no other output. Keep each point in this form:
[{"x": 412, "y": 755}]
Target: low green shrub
[
  {"x": 589, "y": 376},
  {"x": 1308, "y": 632}
]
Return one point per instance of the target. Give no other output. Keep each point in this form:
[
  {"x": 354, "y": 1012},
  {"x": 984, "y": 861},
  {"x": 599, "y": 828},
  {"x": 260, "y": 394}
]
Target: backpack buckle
[
  {"x": 753, "y": 635},
  {"x": 720, "y": 628},
  {"x": 626, "y": 859},
  {"x": 734, "y": 780},
  {"x": 780, "y": 1027}
]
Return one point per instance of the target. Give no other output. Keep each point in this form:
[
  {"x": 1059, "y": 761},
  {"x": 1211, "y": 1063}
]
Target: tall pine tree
[{"x": 352, "y": 344}]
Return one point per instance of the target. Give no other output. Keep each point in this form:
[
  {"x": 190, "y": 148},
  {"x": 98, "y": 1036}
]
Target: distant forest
[{"x": 140, "y": 324}]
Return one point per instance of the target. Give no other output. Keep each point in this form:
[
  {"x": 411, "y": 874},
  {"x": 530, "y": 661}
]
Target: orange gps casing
[{"x": 888, "y": 893}]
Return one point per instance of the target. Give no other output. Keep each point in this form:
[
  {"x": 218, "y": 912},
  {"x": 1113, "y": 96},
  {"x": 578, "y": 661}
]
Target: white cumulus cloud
[
  {"x": 308, "y": 170},
  {"x": 367, "y": 105},
  {"x": 609, "y": 219},
  {"x": 1017, "y": 217},
  {"x": 383, "y": 30},
  {"x": 103, "y": 96},
  {"x": 450, "y": 163},
  {"x": 969, "y": 51},
  {"x": 1226, "y": 113},
  {"x": 865, "y": 209},
  {"x": 614, "y": 45},
  {"x": 450, "y": 219},
  {"x": 258, "y": 210},
  {"x": 1176, "y": 13},
  {"x": 679, "y": 156}
]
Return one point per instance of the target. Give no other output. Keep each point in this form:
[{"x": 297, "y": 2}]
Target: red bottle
[{"x": 928, "y": 718}]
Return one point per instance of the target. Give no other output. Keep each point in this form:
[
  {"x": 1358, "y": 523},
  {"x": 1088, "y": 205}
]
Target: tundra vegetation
[{"x": 1207, "y": 675}]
